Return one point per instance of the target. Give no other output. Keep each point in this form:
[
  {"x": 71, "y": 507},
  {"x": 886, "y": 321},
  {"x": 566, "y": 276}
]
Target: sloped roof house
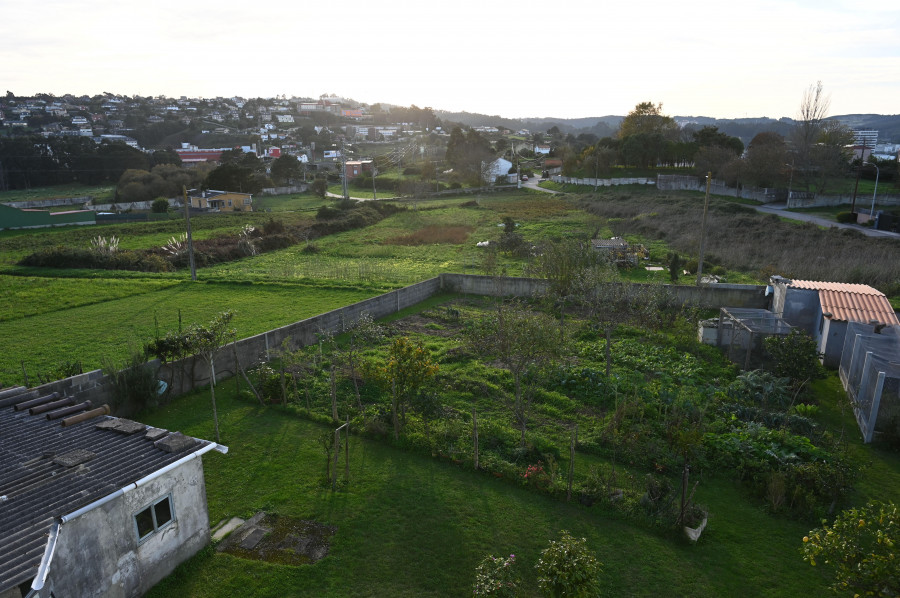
[
  {"x": 93, "y": 505},
  {"x": 823, "y": 309}
]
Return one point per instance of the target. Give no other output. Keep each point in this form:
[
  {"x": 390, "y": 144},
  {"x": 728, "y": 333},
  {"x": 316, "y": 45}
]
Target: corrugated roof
[
  {"x": 851, "y": 302},
  {"x": 41, "y": 479}
]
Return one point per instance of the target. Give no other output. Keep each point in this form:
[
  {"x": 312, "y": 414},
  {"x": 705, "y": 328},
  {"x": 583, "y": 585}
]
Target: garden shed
[
  {"x": 870, "y": 373},
  {"x": 740, "y": 332},
  {"x": 93, "y": 505}
]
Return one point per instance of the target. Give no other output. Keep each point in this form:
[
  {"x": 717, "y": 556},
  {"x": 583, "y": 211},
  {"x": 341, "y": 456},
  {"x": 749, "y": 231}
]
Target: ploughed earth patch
[
  {"x": 434, "y": 234},
  {"x": 277, "y": 539}
]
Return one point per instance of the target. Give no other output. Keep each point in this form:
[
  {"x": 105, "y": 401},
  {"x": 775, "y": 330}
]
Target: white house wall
[{"x": 98, "y": 554}]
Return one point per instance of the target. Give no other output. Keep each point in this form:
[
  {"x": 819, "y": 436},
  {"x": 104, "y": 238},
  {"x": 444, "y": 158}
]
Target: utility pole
[
  {"x": 190, "y": 239},
  {"x": 862, "y": 161},
  {"x": 703, "y": 230},
  {"x": 344, "y": 170}
]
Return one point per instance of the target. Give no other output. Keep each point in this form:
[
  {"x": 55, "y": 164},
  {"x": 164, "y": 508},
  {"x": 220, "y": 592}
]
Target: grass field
[
  {"x": 410, "y": 526},
  {"x": 108, "y": 318},
  {"x": 100, "y": 193}
]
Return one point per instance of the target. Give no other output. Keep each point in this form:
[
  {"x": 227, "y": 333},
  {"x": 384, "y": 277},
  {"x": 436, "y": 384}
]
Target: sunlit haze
[{"x": 515, "y": 59}]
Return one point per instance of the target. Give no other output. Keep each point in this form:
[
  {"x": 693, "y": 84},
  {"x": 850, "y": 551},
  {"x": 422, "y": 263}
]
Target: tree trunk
[
  {"x": 394, "y": 419},
  {"x": 334, "y": 411},
  {"x": 608, "y": 354},
  {"x": 212, "y": 393}
]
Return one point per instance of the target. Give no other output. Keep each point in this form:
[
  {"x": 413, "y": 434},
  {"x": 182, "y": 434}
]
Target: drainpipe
[{"x": 43, "y": 571}]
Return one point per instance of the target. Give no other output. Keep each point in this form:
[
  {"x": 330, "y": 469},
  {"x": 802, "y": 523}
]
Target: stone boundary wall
[
  {"x": 676, "y": 182},
  {"x": 192, "y": 372},
  {"x": 49, "y": 203},
  {"x": 602, "y": 182},
  {"x": 862, "y": 201},
  {"x": 285, "y": 190}
]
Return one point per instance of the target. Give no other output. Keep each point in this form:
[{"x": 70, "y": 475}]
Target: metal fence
[{"x": 870, "y": 373}]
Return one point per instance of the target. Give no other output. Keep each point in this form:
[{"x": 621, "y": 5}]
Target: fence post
[{"x": 475, "y": 435}]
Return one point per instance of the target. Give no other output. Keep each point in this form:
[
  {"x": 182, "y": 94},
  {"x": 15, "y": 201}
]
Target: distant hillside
[{"x": 888, "y": 126}]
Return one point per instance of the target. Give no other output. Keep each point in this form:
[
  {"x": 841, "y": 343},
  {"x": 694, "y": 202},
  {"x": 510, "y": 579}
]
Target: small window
[{"x": 153, "y": 518}]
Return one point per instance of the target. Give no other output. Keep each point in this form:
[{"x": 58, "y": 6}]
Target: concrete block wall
[{"x": 193, "y": 372}]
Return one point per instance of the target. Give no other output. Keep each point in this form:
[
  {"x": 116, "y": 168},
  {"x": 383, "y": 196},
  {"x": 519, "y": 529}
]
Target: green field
[
  {"x": 412, "y": 526},
  {"x": 108, "y": 318},
  {"x": 408, "y": 524}
]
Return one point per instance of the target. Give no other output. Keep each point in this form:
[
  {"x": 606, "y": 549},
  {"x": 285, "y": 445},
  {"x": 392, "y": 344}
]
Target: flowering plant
[
  {"x": 535, "y": 475},
  {"x": 495, "y": 576}
]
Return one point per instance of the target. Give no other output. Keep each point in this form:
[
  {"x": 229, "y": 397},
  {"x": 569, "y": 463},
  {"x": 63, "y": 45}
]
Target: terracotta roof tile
[{"x": 851, "y": 302}]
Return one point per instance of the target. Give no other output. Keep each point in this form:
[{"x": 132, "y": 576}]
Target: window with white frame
[{"x": 155, "y": 517}]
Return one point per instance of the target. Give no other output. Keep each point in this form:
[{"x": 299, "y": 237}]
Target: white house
[{"x": 498, "y": 168}]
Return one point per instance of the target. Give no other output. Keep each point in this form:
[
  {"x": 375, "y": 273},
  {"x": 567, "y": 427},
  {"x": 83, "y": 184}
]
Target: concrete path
[{"x": 781, "y": 210}]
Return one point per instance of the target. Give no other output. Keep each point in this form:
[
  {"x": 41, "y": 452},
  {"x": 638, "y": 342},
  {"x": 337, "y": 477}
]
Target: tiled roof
[
  {"x": 48, "y": 470},
  {"x": 851, "y": 302}
]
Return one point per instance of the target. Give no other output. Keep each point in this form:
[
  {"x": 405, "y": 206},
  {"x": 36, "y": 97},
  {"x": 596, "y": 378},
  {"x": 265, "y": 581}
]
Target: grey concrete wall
[
  {"x": 801, "y": 309},
  {"x": 98, "y": 555},
  {"x": 831, "y": 342},
  {"x": 707, "y": 296},
  {"x": 50, "y": 203},
  {"x": 192, "y": 372},
  {"x": 603, "y": 182}
]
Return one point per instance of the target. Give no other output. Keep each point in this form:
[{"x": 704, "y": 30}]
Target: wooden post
[
  {"x": 475, "y": 435},
  {"x": 337, "y": 450},
  {"x": 347, "y": 451},
  {"x": 571, "y": 462}
]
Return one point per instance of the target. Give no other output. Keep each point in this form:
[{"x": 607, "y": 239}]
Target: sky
[{"x": 529, "y": 58}]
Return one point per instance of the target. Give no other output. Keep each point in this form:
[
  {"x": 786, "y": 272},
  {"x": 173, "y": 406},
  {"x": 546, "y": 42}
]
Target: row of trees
[{"x": 35, "y": 161}]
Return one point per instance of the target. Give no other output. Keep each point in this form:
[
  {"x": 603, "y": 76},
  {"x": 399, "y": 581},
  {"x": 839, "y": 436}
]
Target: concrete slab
[
  {"x": 252, "y": 539},
  {"x": 226, "y": 527}
]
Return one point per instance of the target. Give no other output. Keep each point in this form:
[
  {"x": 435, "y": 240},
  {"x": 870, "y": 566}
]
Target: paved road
[{"x": 780, "y": 210}]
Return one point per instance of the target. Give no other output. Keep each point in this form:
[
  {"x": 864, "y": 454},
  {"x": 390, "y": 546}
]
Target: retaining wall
[{"x": 192, "y": 372}]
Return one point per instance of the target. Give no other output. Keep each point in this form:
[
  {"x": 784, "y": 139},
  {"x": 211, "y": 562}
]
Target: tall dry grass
[{"x": 742, "y": 239}]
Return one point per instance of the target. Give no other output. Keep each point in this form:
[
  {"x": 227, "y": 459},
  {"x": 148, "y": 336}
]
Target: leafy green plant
[
  {"x": 795, "y": 356},
  {"x": 496, "y": 576},
  {"x": 568, "y": 569},
  {"x": 860, "y": 546},
  {"x": 134, "y": 383}
]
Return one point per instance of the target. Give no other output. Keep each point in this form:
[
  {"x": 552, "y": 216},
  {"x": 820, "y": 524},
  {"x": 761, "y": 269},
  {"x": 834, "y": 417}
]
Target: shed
[
  {"x": 93, "y": 505},
  {"x": 823, "y": 309}
]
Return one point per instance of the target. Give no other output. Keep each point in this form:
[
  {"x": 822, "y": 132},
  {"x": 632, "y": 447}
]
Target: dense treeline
[{"x": 36, "y": 161}]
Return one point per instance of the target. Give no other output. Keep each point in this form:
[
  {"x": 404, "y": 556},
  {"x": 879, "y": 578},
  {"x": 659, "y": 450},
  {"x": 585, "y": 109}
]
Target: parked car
[{"x": 524, "y": 177}]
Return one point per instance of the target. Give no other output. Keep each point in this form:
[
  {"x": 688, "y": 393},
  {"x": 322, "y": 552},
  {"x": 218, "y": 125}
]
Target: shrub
[
  {"x": 860, "y": 548},
  {"x": 328, "y": 213},
  {"x": 567, "y": 568},
  {"x": 160, "y": 205},
  {"x": 495, "y": 576},
  {"x": 134, "y": 383},
  {"x": 845, "y": 217},
  {"x": 795, "y": 356}
]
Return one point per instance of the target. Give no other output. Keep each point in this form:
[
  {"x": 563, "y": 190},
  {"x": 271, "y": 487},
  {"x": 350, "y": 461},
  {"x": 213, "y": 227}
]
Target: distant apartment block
[{"x": 866, "y": 137}]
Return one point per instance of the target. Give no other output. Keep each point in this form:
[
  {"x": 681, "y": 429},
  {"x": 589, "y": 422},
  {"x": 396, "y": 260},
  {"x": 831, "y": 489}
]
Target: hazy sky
[{"x": 516, "y": 59}]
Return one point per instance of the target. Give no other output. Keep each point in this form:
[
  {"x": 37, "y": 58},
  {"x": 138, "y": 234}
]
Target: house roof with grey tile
[{"x": 49, "y": 470}]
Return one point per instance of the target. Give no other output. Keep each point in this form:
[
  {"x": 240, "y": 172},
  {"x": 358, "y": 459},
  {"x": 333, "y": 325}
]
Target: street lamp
[{"x": 877, "y": 173}]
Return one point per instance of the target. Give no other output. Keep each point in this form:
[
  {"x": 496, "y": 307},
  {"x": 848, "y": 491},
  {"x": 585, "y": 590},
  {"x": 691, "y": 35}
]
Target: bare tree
[{"x": 813, "y": 110}]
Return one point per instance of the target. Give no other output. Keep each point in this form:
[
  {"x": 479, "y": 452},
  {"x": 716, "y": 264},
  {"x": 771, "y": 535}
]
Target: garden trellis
[{"x": 741, "y": 333}]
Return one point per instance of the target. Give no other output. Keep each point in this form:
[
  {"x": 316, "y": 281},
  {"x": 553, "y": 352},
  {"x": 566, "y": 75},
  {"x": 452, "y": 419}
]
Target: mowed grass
[
  {"x": 411, "y": 526},
  {"x": 113, "y": 327}
]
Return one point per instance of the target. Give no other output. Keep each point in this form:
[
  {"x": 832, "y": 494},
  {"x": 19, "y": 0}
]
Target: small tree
[
  {"x": 520, "y": 340},
  {"x": 568, "y": 569},
  {"x": 407, "y": 369},
  {"x": 861, "y": 548},
  {"x": 205, "y": 342},
  {"x": 794, "y": 356},
  {"x": 319, "y": 187}
]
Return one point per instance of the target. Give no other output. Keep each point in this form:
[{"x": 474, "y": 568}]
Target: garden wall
[
  {"x": 708, "y": 296},
  {"x": 191, "y": 373}
]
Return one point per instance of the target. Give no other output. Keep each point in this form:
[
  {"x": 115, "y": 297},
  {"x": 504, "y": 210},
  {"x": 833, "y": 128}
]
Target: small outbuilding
[
  {"x": 93, "y": 505},
  {"x": 823, "y": 310}
]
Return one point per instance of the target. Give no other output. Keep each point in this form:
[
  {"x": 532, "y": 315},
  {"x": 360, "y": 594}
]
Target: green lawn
[
  {"x": 408, "y": 525},
  {"x": 125, "y": 314}
]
